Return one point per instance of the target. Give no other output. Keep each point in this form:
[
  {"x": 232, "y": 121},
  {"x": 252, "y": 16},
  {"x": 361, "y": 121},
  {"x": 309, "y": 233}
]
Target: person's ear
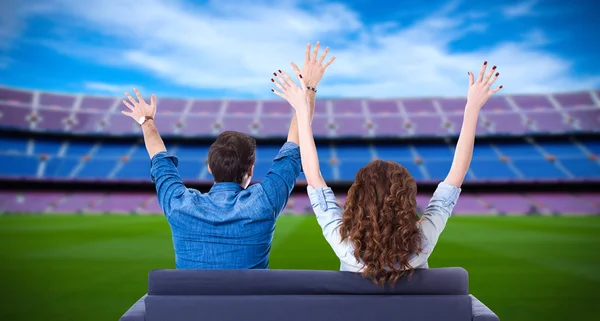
[
  {"x": 209, "y": 170},
  {"x": 251, "y": 172}
]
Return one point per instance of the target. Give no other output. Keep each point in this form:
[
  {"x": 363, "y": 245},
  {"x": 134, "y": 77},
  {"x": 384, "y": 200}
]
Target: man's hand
[
  {"x": 479, "y": 91},
  {"x": 139, "y": 108},
  {"x": 313, "y": 69}
]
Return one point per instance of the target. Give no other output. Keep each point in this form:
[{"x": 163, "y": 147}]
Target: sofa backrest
[{"x": 265, "y": 295}]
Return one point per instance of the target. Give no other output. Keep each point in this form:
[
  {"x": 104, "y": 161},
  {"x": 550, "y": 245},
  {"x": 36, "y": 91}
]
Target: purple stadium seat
[
  {"x": 55, "y": 100},
  {"x": 418, "y": 106},
  {"x": 563, "y": 203},
  {"x": 347, "y": 107},
  {"x": 509, "y": 203},
  {"x": 497, "y": 103},
  {"x": 28, "y": 202},
  {"x": 321, "y": 107},
  {"x": 99, "y": 103},
  {"x": 16, "y": 96},
  {"x": 241, "y": 107},
  {"x": 549, "y": 121},
  {"x": 453, "y": 105},
  {"x": 582, "y": 99},
  {"x": 320, "y": 125},
  {"x": 351, "y": 126},
  {"x": 377, "y": 107},
  {"x": 167, "y": 123},
  {"x": 120, "y": 124},
  {"x": 456, "y": 124},
  {"x": 388, "y": 125},
  {"x": 119, "y": 203},
  {"x": 206, "y": 107},
  {"x": 238, "y": 123},
  {"x": 529, "y": 102},
  {"x": 301, "y": 204},
  {"x": 588, "y": 120},
  {"x": 506, "y": 123},
  {"x": 198, "y": 124},
  {"x": 86, "y": 121},
  {"x": 151, "y": 206},
  {"x": 276, "y": 107},
  {"x": 14, "y": 116},
  {"x": 470, "y": 204},
  {"x": 427, "y": 125},
  {"x": 52, "y": 119},
  {"x": 76, "y": 202},
  {"x": 170, "y": 105},
  {"x": 274, "y": 125}
]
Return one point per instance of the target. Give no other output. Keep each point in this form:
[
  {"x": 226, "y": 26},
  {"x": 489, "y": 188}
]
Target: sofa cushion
[{"x": 443, "y": 281}]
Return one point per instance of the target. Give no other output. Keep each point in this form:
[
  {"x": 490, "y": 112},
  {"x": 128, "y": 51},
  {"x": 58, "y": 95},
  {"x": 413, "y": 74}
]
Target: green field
[{"x": 95, "y": 267}]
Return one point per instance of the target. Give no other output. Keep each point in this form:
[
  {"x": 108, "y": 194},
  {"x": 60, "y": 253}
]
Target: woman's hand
[
  {"x": 479, "y": 91},
  {"x": 288, "y": 90}
]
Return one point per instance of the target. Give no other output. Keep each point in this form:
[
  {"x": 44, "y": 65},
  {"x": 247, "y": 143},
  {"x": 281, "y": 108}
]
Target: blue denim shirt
[
  {"x": 229, "y": 227},
  {"x": 432, "y": 223}
]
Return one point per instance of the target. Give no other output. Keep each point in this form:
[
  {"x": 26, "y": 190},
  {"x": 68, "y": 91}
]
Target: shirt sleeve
[
  {"x": 329, "y": 217},
  {"x": 167, "y": 180},
  {"x": 282, "y": 175},
  {"x": 436, "y": 215}
]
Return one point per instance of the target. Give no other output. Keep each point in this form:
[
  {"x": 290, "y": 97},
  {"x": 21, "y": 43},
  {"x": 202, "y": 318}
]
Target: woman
[{"x": 379, "y": 232}]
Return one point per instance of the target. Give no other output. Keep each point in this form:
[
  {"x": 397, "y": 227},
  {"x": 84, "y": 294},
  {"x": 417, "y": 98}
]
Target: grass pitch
[{"x": 95, "y": 267}]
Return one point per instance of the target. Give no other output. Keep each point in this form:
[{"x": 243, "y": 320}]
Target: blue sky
[{"x": 213, "y": 49}]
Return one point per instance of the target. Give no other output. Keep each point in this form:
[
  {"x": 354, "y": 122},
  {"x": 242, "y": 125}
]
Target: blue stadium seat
[
  {"x": 189, "y": 169},
  {"x": 438, "y": 168},
  {"x": 135, "y": 168},
  {"x": 43, "y": 146},
  {"x": 593, "y": 146},
  {"x": 79, "y": 148},
  {"x": 492, "y": 169},
  {"x": 518, "y": 149},
  {"x": 107, "y": 149},
  {"x": 539, "y": 169},
  {"x": 98, "y": 168},
  {"x": 360, "y": 153},
  {"x": 60, "y": 167},
  {"x": 484, "y": 151},
  {"x": 191, "y": 152},
  {"x": 19, "y": 165},
  {"x": 437, "y": 151},
  {"x": 398, "y": 153},
  {"x": 582, "y": 167},
  {"x": 562, "y": 149},
  {"x": 13, "y": 145}
]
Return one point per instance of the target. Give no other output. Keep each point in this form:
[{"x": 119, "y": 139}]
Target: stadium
[{"x": 525, "y": 227}]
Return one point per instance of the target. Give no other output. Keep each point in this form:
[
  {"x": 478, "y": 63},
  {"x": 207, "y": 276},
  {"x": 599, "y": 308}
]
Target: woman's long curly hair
[{"x": 380, "y": 219}]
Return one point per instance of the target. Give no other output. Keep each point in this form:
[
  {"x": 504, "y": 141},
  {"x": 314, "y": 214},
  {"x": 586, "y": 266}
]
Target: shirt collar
[{"x": 226, "y": 187}]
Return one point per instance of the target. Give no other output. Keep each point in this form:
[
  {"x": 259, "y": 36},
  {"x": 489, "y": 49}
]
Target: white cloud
[
  {"x": 235, "y": 46},
  {"x": 521, "y": 9},
  {"x": 113, "y": 89}
]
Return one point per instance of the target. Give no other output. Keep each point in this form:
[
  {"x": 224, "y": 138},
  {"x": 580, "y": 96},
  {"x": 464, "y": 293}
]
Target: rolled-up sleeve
[
  {"x": 437, "y": 213},
  {"x": 282, "y": 176},
  {"x": 329, "y": 217},
  {"x": 167, "y": 180}
]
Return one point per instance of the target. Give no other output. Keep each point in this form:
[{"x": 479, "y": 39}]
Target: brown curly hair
[{"x": 380, "y": 219}]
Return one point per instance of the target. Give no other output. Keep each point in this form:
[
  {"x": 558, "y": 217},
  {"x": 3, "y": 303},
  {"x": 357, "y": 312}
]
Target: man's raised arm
[{"x": 163, "y": 166}]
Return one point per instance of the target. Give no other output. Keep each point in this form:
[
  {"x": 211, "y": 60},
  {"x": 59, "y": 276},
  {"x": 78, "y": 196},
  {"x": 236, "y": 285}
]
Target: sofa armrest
[
  {"x": 481, "y": 312},
  {"x": 137, "y": 312}
]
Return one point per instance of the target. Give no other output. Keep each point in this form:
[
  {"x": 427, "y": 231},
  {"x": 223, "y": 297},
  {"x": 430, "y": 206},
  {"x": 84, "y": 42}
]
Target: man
[{"x": 231, "y": 226}]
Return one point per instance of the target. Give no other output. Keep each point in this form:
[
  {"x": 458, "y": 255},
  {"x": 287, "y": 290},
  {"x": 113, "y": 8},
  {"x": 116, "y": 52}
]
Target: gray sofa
[{"x": 275, "y": 295}]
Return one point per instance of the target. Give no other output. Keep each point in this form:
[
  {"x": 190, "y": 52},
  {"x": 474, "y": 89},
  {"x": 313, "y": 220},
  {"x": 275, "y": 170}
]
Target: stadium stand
[
  {"x": 71, "y": 154},
  {"x": 504, "y": 115}
]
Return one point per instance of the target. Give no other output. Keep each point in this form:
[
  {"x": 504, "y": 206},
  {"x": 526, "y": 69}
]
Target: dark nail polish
[
  {"x": 273, "y": 90},
  {"x": 501, "y": 86},
  {"x": 274, "y": 74},
  {"x": 300, "y": 75},
  {"x": 497, "y": 74},
  {"x": 279, "y": 71},
  {"x": 272, "y": 80},
  {"x": 485, "y": 63},
  {"x": 494, "y": 67}
]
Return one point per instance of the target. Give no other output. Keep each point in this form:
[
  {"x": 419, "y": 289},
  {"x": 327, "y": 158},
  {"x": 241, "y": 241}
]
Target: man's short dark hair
[{"x": 232, "y": 156}]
